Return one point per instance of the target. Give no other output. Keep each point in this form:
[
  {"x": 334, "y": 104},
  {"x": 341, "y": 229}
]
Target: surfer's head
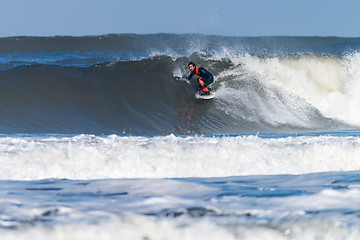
[{"x": 191, "y": 66}]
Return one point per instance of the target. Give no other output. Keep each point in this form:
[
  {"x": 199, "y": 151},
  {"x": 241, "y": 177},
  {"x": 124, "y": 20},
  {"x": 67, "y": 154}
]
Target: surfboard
[{"x": 210, "y": 96}]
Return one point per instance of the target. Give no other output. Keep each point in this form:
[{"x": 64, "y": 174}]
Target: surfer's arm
[
  {"x": 182, "y": 79},
  {"x": 190, "y": 76}
]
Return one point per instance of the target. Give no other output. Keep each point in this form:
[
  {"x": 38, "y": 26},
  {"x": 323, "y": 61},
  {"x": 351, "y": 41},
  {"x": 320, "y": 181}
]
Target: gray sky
[{"x": 219, "y": 17}]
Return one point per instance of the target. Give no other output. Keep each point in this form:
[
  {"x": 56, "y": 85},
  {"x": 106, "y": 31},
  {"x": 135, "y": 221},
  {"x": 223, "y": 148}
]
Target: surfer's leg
[
  {"x": 203, "y": 90},
  {"x": 209, "y": 82},
  {"x": 202, "y": 85}
]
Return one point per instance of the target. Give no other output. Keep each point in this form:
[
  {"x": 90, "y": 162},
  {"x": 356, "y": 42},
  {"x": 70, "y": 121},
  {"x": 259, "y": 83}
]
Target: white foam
[
  {"x": 245, "y": 93},
  {"x": 91, "y": 157},
  {"x": 134, "y": 227},
  {"x": 332, "y": 85},
  {"x": 253, "y": 207}
]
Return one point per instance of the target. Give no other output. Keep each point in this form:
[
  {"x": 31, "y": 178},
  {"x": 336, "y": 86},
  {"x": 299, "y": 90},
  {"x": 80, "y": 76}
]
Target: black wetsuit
[{"x": 205, "y": 79}]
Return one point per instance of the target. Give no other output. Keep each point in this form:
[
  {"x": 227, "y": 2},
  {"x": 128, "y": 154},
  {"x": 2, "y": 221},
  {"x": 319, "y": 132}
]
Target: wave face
[{"x": 123, "y": 84}]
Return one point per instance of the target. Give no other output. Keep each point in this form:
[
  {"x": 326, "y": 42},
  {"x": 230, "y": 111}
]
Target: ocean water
[{"x": 99, "y": 141}]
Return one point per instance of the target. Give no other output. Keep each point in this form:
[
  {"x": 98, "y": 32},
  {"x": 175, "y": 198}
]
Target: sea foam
[{"x": 94, "y": 157}]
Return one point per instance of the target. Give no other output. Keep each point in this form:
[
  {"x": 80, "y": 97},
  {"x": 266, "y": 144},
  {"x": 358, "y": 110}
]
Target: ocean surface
[{"x": 98, "y": 140}]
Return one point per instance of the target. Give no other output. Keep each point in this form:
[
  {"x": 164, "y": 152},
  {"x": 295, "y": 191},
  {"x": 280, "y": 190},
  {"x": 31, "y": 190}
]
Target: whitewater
[{"x": 98, "y": 139}]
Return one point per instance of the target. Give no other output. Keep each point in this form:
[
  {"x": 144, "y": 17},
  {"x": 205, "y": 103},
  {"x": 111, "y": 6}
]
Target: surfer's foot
[{"x": 204, "y": 92}]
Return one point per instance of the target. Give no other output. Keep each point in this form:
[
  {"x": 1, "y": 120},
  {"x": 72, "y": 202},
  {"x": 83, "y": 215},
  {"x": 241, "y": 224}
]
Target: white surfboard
[{"x": 210, "y": 96}]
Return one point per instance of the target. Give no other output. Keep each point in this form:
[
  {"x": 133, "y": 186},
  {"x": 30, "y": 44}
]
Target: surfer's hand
[{"x": 181, "y": 79}]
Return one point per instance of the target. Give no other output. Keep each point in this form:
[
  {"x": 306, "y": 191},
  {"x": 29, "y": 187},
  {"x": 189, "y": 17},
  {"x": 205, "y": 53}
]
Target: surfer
[{"x": 205, "y": 79}]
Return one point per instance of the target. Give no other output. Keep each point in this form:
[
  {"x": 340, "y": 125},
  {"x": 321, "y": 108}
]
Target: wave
[
  {"x": 329, "y": 84},
  {"x": 302, "y": 92},
  {"x": 81, "y": 157}
]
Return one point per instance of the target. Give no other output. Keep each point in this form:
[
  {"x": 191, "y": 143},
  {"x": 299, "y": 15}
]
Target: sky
[{"x": 214, "y": 17}]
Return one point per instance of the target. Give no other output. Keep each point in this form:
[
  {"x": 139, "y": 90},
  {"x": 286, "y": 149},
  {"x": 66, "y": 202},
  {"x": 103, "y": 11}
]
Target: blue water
[
  {"x": 97, "y": 139},
  {"x": 306, "y": 206},
  {"x": 74, "y": 58}
]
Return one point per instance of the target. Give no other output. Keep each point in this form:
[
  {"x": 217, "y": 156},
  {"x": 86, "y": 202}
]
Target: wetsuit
[{"x": 205, "y": 79}]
